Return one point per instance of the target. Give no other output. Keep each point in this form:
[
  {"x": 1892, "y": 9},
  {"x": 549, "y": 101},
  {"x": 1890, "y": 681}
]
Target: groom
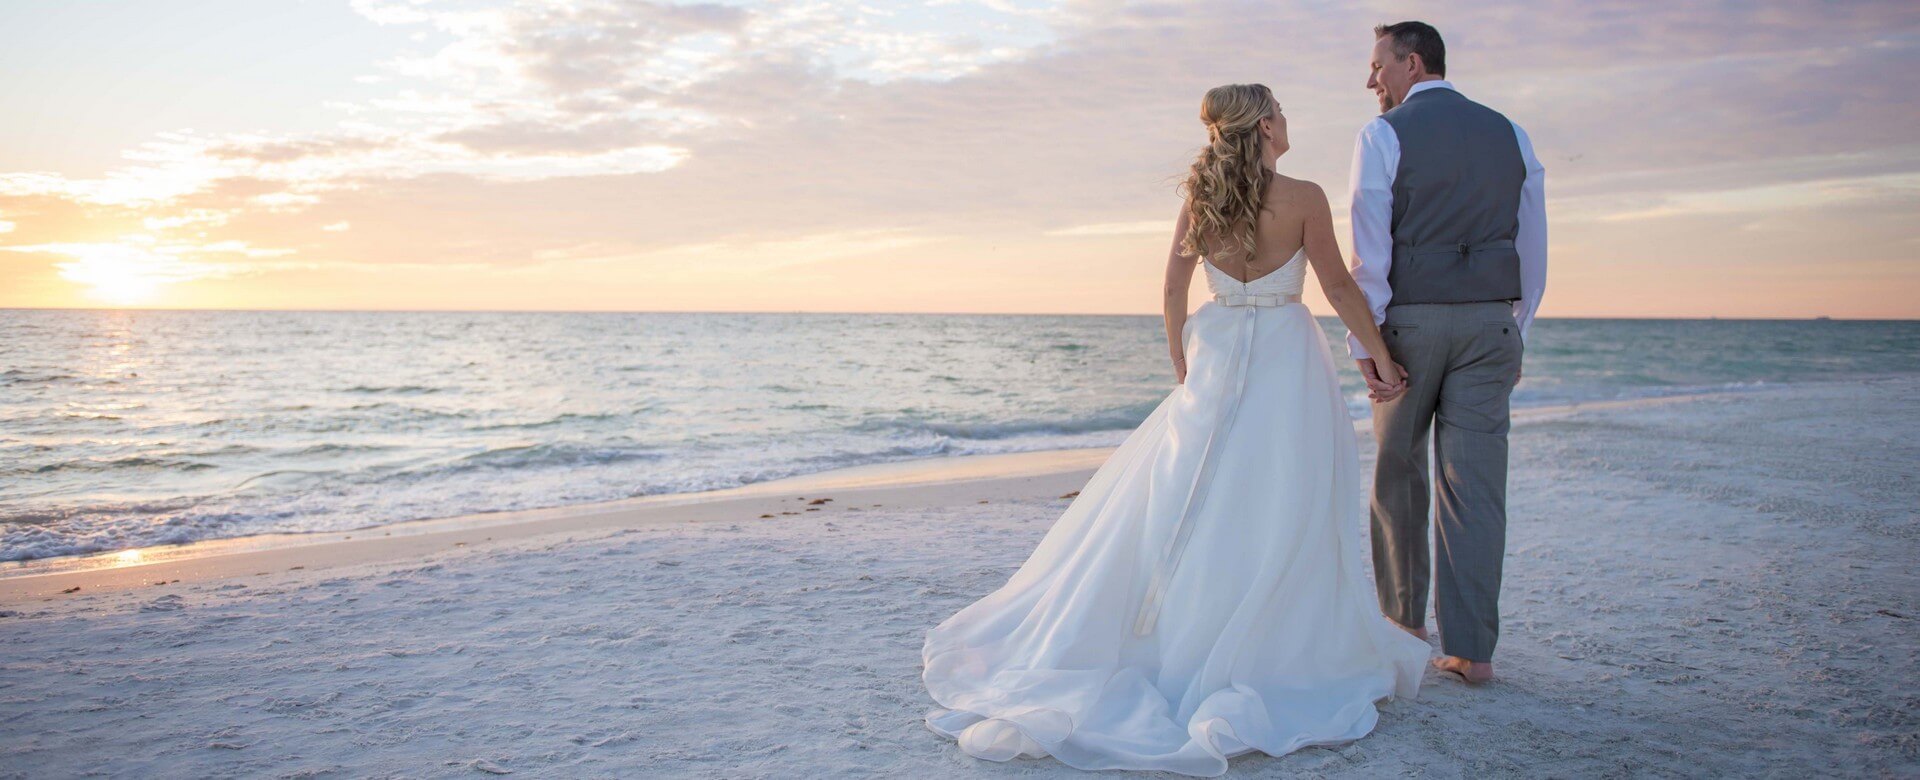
[{"x": 1450, "y": 246}]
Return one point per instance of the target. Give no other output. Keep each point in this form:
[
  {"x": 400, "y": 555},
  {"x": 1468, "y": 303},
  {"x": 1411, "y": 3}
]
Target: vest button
[{"x": 1463, "y": 247}]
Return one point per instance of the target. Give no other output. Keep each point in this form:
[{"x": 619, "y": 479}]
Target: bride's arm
[
  {"x": 1173, "y": 297},
  {"x": 1323, "y": 252}
]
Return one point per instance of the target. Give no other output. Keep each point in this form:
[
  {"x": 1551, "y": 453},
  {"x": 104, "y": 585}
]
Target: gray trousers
[{"x": 1462, "y": 361}]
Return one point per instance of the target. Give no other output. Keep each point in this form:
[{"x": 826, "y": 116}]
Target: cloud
[
  {"x": 541, "y": 90},
  {"x": 198, "y": 218},
  {"x": 740, "y": 257},
  {"x": 392, "y": 11},
  {"x": 1151, "y": 226},
  {"x": 542, "y": 134},
  {"x": 1767, "y": 199},
  {"x": 595, "y": 136}
]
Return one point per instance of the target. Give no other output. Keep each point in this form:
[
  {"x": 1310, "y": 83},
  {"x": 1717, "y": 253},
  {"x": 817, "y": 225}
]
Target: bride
[{"x": 1203, "y": 597}]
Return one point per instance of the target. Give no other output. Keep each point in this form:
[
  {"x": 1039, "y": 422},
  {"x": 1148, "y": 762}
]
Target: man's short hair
[{"x": 1416, "y": 38}]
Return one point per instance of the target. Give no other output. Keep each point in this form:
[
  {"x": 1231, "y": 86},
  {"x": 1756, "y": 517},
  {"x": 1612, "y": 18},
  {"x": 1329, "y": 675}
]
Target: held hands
[{"x": 1386, "y": 380}]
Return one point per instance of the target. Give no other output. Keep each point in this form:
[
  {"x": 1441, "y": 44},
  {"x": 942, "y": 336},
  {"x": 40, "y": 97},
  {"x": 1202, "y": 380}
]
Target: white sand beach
[{"x": 1713, "y": 586}]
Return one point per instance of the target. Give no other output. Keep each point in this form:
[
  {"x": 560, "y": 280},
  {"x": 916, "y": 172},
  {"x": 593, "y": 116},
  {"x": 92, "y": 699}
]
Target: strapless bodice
[{"x": 1289, "y": 279}]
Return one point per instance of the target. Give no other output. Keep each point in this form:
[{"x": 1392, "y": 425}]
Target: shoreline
[
  {"x": 916, "y": 482},
  {"x": 920, "y": 482}
]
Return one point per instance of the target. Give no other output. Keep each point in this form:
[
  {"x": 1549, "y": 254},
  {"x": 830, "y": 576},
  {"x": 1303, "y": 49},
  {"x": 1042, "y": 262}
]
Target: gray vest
[{"x": 1456, "y": 201}]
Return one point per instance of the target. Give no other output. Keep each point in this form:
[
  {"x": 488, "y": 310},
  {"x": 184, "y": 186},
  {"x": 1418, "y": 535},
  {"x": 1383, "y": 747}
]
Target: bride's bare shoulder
[
  {"x": 1287, "y": 186},
  {"x": 1294, "y": 195}
]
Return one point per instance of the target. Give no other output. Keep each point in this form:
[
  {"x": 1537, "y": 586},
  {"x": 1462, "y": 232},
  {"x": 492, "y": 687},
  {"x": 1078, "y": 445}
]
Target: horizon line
[{"x": 1702, "y": 317}]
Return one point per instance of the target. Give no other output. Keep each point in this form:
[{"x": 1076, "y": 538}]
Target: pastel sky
[{"x": 1733, "y": 159}]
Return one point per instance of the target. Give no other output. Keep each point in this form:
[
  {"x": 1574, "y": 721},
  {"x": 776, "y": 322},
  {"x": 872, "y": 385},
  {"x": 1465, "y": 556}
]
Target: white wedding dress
[{"x": 1203, "y": 596}]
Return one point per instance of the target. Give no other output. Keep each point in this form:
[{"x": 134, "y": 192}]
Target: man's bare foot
[
  {"x": 1419, "y": 632},
  {"x": 1472, "y": 671}
]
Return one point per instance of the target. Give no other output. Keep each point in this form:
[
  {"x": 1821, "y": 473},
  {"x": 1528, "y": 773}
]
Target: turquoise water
[{"x": 127, "y": 428}]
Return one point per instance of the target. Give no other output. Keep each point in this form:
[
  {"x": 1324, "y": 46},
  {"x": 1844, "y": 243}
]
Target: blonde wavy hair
[{"x": 1227, "y": 182}]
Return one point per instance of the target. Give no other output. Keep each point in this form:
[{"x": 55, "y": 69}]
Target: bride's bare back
[
  {"x": 1278, "y": 232},
  {"x": 1294, "y": 215}
]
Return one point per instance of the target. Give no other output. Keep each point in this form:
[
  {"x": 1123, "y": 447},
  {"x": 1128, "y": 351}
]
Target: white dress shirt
[{"x": 1376, "y": 156}]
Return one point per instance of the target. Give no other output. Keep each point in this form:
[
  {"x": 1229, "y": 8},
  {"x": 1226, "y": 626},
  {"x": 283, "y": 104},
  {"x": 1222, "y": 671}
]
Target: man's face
[{"x": 1388, "y": 76}]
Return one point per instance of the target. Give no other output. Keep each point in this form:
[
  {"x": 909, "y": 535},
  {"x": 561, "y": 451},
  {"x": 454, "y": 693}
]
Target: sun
[
  {"x": 120, "y": 273},
  {"x": 115, "y": 273}
]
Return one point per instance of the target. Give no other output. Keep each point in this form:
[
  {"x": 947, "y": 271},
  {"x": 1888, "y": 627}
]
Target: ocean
[{"x": 131, "y": 428}]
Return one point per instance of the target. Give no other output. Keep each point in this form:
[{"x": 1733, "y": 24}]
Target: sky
[{"x": 1730, "y": 159}]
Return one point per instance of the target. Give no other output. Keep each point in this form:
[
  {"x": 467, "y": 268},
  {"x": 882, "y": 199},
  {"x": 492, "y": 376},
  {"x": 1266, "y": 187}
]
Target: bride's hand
[
  {"x": 1180, "y": 369},
  {"x": 1393, "y": 376}
]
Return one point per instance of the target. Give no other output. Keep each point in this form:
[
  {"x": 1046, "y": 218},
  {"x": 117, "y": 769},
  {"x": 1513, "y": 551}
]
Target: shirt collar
[{"x": 1426, "y": 85}]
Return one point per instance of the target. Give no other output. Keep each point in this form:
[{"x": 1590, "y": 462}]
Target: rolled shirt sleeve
[
  {"x": 1531, "y": 240},
  {"x": 1376, "y": 155}
]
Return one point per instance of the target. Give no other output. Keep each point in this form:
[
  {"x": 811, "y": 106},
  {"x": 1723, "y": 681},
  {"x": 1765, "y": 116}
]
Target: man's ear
[{"x": 1419, "y": 65}]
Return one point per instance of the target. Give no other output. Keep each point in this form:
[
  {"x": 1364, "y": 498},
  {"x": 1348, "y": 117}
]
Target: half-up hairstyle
[{"x": 1227, "y": 182}]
